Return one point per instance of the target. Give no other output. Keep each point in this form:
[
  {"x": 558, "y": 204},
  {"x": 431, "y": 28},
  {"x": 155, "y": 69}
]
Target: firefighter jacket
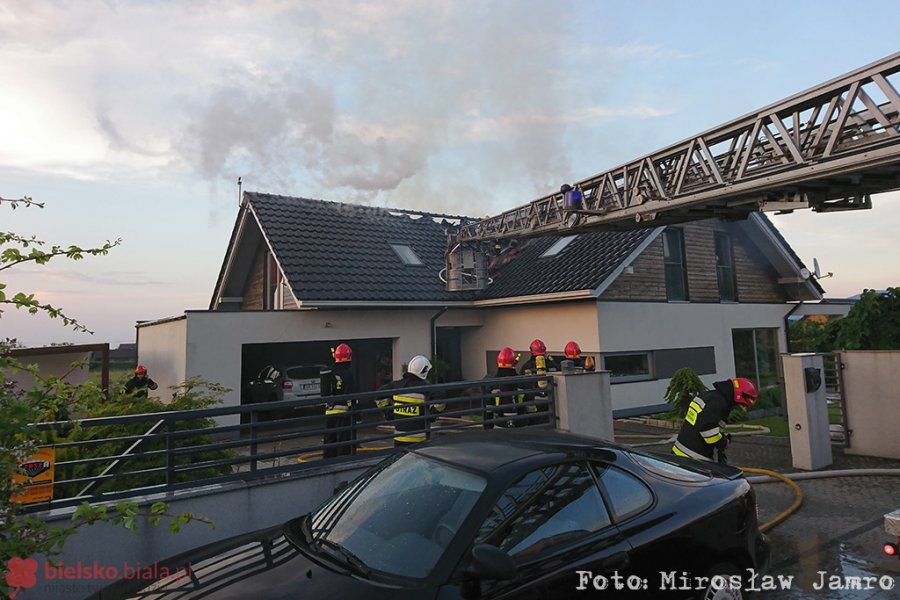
[
  {"x": 409, "y": 410},
  {"x": 502, "y": 397},
  {"x": 533, "y": 367},
  {"x": 338, "y": 380},
  {"x": 701, "y": 432}
]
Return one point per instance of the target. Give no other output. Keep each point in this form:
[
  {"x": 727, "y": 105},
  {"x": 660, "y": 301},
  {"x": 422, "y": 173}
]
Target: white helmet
[{"x": 419, "y": 366}]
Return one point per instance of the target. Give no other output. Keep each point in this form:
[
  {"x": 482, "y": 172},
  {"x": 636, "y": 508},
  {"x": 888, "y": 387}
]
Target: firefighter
[
  {"x": 538, "y": 364},
  {"x": 409, "y": 409},
  {"x": 140, "y": 383},
  {"x": 701, "y": 433},
  {"x": 573, "y": 353},
  {"x": 336, "y": 382},
  {"x": 506, "y": 367}
]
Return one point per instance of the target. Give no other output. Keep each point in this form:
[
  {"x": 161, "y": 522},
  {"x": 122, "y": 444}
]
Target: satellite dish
[
  {"x": 818, "y": 273},
  {"x": 804, "y": 273}
]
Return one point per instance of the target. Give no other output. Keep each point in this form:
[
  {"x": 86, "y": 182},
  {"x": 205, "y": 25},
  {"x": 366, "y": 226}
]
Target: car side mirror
[
  {"x": 340, "y": 487},
  {"x": 490, "y": 562}
]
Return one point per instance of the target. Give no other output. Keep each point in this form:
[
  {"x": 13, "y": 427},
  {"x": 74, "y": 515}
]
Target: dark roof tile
[{"x": 334, "y": 251}]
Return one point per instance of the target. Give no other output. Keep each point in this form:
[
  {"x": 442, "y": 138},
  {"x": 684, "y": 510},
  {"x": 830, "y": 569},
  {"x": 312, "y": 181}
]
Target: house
[{"x": 302, "y": 275}]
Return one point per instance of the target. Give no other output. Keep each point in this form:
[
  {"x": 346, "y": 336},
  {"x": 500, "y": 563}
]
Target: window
[
  {"x": 406, "y": 254},
  {"x": 668, "y": 469},
  {"x": 400, "y": 518},
  {"x": 627, "y": 495},
  {"x": 558, "y": 246},
  {"x": 756, "y": 358},
  {"x": 725, "y": 268},
  {"x": 546, "y": 508},
  {"x": 628, "y": 367},
  {"x": 676, "y": 271},
  {"x": 272, "y": 282}
]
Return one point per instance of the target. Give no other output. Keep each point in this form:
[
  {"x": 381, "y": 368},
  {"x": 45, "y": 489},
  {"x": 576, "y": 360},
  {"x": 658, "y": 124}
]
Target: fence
[{"x": 113, "y": 458}]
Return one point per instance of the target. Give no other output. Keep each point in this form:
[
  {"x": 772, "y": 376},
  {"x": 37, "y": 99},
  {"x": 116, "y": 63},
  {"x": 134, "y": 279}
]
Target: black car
[{"x": 498, "y": 514}]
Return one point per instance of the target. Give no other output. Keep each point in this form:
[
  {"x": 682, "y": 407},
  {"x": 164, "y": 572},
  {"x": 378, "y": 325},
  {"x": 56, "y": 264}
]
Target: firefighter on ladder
[
  {"x": 410, "y": 411},
  {"x": 506, "y": 367},
  {"x": 701, "y": 433},
  {"x": 339, "y": 380}
]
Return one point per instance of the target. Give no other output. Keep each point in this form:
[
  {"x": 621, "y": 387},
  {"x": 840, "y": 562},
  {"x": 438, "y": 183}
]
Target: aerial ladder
[{"x": 828, "y": 148}]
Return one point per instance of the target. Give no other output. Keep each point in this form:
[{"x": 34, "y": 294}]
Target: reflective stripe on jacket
[
  {"x": 701, "y": 432},
  {"x": 408, "y": 411}
]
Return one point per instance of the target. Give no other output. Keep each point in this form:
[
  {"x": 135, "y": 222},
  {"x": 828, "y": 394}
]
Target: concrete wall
[
  {"x": 639, "y": 326},
  {"x": 234, "y": 508},
  {"x": 213, "y": 340},
  {"x": 162, "y": 349},
  {"x": 873, "y": 402}
]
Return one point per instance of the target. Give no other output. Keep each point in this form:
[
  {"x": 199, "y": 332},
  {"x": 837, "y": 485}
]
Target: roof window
[
  {"x": 406, "y": 254},
  {"x": 558, "y": 246}
]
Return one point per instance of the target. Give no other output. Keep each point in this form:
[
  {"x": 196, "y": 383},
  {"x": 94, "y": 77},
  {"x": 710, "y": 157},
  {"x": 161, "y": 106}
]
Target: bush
[{"x": 685, "y": 384}]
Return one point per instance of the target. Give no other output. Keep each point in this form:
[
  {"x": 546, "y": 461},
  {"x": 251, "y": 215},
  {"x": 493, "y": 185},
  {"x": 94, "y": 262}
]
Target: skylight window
[
  {"x": 406, "y": 254},
  {"x": 559, "y": 246}
]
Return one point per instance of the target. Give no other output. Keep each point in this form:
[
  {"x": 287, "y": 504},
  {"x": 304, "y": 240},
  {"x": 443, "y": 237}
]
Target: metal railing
[{"x": 113, "y": 458}]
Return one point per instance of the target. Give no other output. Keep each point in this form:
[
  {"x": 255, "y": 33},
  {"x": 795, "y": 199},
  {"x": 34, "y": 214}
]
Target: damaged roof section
[{"x": 343, "y": 252}]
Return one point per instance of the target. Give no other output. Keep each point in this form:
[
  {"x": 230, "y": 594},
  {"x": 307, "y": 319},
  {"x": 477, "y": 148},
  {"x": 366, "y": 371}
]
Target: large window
[
  {"x": 725, "y": 268},
  {"x": 628, "y": 367},
  {"x": 756, "y": 358},
  {"x": 676, "y": 272}
]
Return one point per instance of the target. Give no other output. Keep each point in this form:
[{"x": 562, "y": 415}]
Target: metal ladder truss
[{"x": 828, "y": 148}]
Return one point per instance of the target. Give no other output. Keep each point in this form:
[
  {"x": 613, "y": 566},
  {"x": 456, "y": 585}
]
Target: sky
[{"x": 133, "y": 121}]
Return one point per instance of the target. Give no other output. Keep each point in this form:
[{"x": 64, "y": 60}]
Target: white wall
[
  {"x": 642, "y": 326},
  {"x": 214, "y": 339},
  {"x": 161, "y": 348},
  {"x": 516, "y": 327},
  {"x": 873, "y": 402},
  {"x": 209, "y": 344}
]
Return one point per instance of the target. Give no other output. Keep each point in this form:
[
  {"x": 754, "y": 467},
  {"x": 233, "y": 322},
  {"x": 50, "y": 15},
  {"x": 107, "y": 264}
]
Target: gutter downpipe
[
  {"x": 434, "y": 332},
  {"x": 787, "y": 329}
]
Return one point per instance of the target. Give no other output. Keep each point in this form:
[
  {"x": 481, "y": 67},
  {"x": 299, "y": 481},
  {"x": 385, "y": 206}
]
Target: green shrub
[{"x": 685, "y": 384}]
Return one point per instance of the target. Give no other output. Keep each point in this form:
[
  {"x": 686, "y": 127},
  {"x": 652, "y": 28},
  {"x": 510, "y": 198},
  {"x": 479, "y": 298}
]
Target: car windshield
[{"x": 399, "y": 519}]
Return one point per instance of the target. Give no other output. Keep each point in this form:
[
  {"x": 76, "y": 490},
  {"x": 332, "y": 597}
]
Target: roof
[
  {"x": 784, "y": 259},
  {"x": 333, "y": 253},
  {"x": 307, "y": 235},
  {"x": 584, "y": 264}
]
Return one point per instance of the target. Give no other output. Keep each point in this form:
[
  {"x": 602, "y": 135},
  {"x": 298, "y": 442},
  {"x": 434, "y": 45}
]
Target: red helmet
[
  {"x": 538, "y": 348},
  {"x": 140, "y": 370},
  {"x": 343, "y": 353},
  {"x": 506, "y": 358},
  {"x": 573, "y": 350},
  {"x": 744, "y": 392}
]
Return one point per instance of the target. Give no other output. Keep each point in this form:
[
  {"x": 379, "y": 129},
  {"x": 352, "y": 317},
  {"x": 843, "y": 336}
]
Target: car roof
[{"x": 496, "y": 449}]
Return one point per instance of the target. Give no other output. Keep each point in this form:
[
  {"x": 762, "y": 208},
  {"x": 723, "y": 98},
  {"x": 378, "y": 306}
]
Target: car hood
[{"x": 260, "y": 565}]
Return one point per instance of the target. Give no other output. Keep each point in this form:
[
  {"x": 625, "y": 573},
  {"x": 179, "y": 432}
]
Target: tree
[
  {"x": 872, "y": 324},
  {"x": 21, "y": 535},
  {"x": 16, "y": 250}
]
